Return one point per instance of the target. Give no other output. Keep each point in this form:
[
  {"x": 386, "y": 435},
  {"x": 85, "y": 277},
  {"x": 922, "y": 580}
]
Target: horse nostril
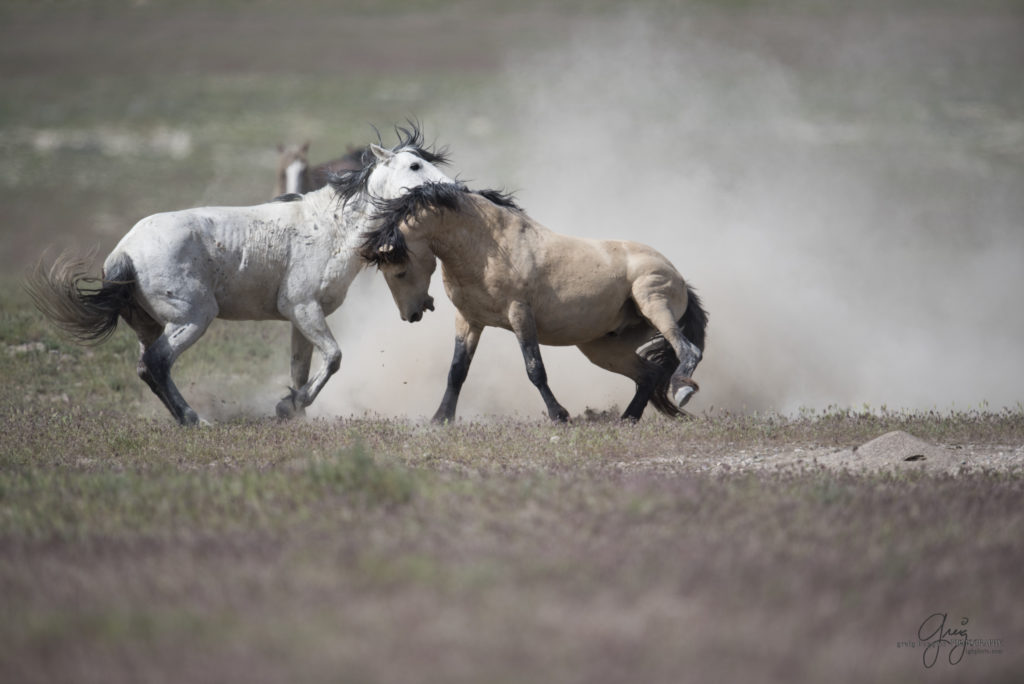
[
  {"x": 415, "y": 317},
  {"x": 430, "y": 304}
]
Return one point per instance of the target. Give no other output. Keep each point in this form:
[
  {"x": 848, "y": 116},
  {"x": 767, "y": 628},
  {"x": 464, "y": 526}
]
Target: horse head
[
  {"x": 403, "y": 256},
  {"x": 398, "y": 171},
  {"x": 399, "y": 245},
  {"x": 409, "y": 164},
  {"x": 293, "y": 169},
  {"x": 409, "y": 280}
]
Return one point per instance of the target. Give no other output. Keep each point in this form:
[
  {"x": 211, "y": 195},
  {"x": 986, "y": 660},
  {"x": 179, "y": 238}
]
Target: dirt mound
[
  {"x": 896, "y": 450},
  {"x": 898, "y": 446}
]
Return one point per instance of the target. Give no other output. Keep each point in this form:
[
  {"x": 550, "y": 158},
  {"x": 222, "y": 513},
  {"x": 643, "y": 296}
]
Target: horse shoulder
[{"x": 324, "y": 263}]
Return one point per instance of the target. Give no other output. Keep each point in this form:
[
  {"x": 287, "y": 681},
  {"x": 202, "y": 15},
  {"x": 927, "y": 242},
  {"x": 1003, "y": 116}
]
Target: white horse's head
[{"x": 396, "y": 172}]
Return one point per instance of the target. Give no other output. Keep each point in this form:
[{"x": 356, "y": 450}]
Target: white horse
[{"x": 294, "y": 260}]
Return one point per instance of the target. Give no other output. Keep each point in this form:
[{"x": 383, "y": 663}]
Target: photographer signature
[{"x": 934, "y": 635}]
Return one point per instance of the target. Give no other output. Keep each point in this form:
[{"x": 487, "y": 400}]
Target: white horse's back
[{"x": 241, "y": 257}]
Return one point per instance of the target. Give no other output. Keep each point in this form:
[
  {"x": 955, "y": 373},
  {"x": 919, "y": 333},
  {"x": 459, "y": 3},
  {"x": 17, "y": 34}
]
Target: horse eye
[
  {"x": 416, "y": 166},
  {"x": 401, "y": 275}
]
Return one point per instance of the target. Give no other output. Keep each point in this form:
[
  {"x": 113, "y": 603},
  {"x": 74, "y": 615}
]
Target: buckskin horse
[{"x": 623, "y": 304}]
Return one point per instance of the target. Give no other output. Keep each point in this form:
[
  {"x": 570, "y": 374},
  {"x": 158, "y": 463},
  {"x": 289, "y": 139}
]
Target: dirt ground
[{"x": 893, "y": 452}]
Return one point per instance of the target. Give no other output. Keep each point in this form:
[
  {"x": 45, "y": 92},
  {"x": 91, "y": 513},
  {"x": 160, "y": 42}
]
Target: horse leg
[
  {"x": 618, "y": 355},
  {"x": 662, "y": 301},
  {"x": 302, "y": 357},
  {"x": 308, "y": 319},
  {"x": 525, "y": 328},
  {"x": 148, "y": 331},
  {"x": 158, "y": 357},
  {"x": 467, "y": 336}
]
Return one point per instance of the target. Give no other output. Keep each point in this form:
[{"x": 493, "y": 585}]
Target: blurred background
[{"x": 842, "y": 182}]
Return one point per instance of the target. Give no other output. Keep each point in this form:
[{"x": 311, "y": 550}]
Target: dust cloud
[{"x": 843, "y": 193}]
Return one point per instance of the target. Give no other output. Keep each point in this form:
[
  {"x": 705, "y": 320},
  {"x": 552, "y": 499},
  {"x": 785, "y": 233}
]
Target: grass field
[{"x": 371, "y": 548}]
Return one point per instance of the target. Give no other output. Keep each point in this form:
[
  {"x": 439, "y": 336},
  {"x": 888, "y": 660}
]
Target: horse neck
[
  {"x": 348, "y": 218},
  {"x": 306, "y": 181},
  {"x": 456, "y": 237},
  {"x": 324, "y": 206}
]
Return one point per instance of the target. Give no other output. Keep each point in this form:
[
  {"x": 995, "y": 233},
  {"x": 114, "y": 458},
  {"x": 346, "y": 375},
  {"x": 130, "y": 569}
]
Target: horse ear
[
  {"x": 305, "y": 147},
  {"x": 381, "y": 153}
]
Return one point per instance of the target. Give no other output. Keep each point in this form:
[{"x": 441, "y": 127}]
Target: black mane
[
  {"x": 386, "y": 244},
  {"x": 502, "y": 199},
  {"x": 349, "y": 183},
  {"x": 411, "y": 139}
]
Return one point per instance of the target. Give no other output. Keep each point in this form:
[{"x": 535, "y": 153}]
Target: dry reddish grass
[{"x": 381, "y": 550}]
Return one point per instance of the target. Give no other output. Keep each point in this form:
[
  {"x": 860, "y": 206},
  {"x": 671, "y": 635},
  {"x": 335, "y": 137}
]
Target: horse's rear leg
[
  {"x": 157, "y": 356},
  {"x": 309, "y": 321},
  {"x": 662, "y": 301},
  {"x": 148, "y": 331},
  {"x": 302, "y": 357},
  {"x": 618, "y": 355},
  {"x": 525, "y": 328}
]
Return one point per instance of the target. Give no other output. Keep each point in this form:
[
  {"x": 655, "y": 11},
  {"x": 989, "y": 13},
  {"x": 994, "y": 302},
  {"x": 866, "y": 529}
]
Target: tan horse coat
[{"x": 503, "y": 269}]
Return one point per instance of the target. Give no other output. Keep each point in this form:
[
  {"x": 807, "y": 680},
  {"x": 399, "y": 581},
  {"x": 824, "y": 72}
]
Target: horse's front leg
[
  {"x": 309, "y": 321},
  {"x": 302, "y": 357},
  {"x": 467, "y": 336},
  {"x": 525, "y": 328}
]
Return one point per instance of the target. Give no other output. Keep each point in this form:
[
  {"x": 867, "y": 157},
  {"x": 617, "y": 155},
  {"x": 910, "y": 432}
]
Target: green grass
[{"x": 79, "y": 501}]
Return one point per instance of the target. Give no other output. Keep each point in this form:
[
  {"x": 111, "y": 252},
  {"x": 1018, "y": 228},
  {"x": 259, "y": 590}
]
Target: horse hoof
[
  {"x": 683, "y": 395},
  {"x": 559, "y": 415},
  {"x": 286, "y": 409}
]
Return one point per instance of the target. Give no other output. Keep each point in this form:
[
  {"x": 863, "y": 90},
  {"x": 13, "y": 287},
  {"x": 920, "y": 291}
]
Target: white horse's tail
[
  {"x": 83, "y": 306},
  {"x": 694, "y": 323}
]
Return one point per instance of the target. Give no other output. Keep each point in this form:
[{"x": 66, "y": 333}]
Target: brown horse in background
[
  {"x": 623, "y": 304},
  {"x": 296, "y": 177}
]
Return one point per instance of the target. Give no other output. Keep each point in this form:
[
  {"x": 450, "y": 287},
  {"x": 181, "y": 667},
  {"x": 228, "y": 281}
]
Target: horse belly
[
  {"x": 578, "y": 325},
  {"x": 573, "y": 315},
  {"x": 248, "y": 265},
  {"x": 247, "y": 293},
  {"x": 239, "y": 303}
]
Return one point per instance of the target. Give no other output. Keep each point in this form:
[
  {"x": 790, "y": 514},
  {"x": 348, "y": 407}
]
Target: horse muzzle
[{"x": 428, "y": 305}]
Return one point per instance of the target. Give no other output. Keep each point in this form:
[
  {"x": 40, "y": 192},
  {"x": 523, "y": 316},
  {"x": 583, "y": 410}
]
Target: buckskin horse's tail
[
  {"x": 86, "y": 308},
  {"x": 694, "y": 322}
]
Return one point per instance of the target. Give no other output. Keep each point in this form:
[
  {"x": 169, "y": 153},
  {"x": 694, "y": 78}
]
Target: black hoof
[
  {"x": 289, "y": 407},
  {"x": 559, "y": 415}
]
